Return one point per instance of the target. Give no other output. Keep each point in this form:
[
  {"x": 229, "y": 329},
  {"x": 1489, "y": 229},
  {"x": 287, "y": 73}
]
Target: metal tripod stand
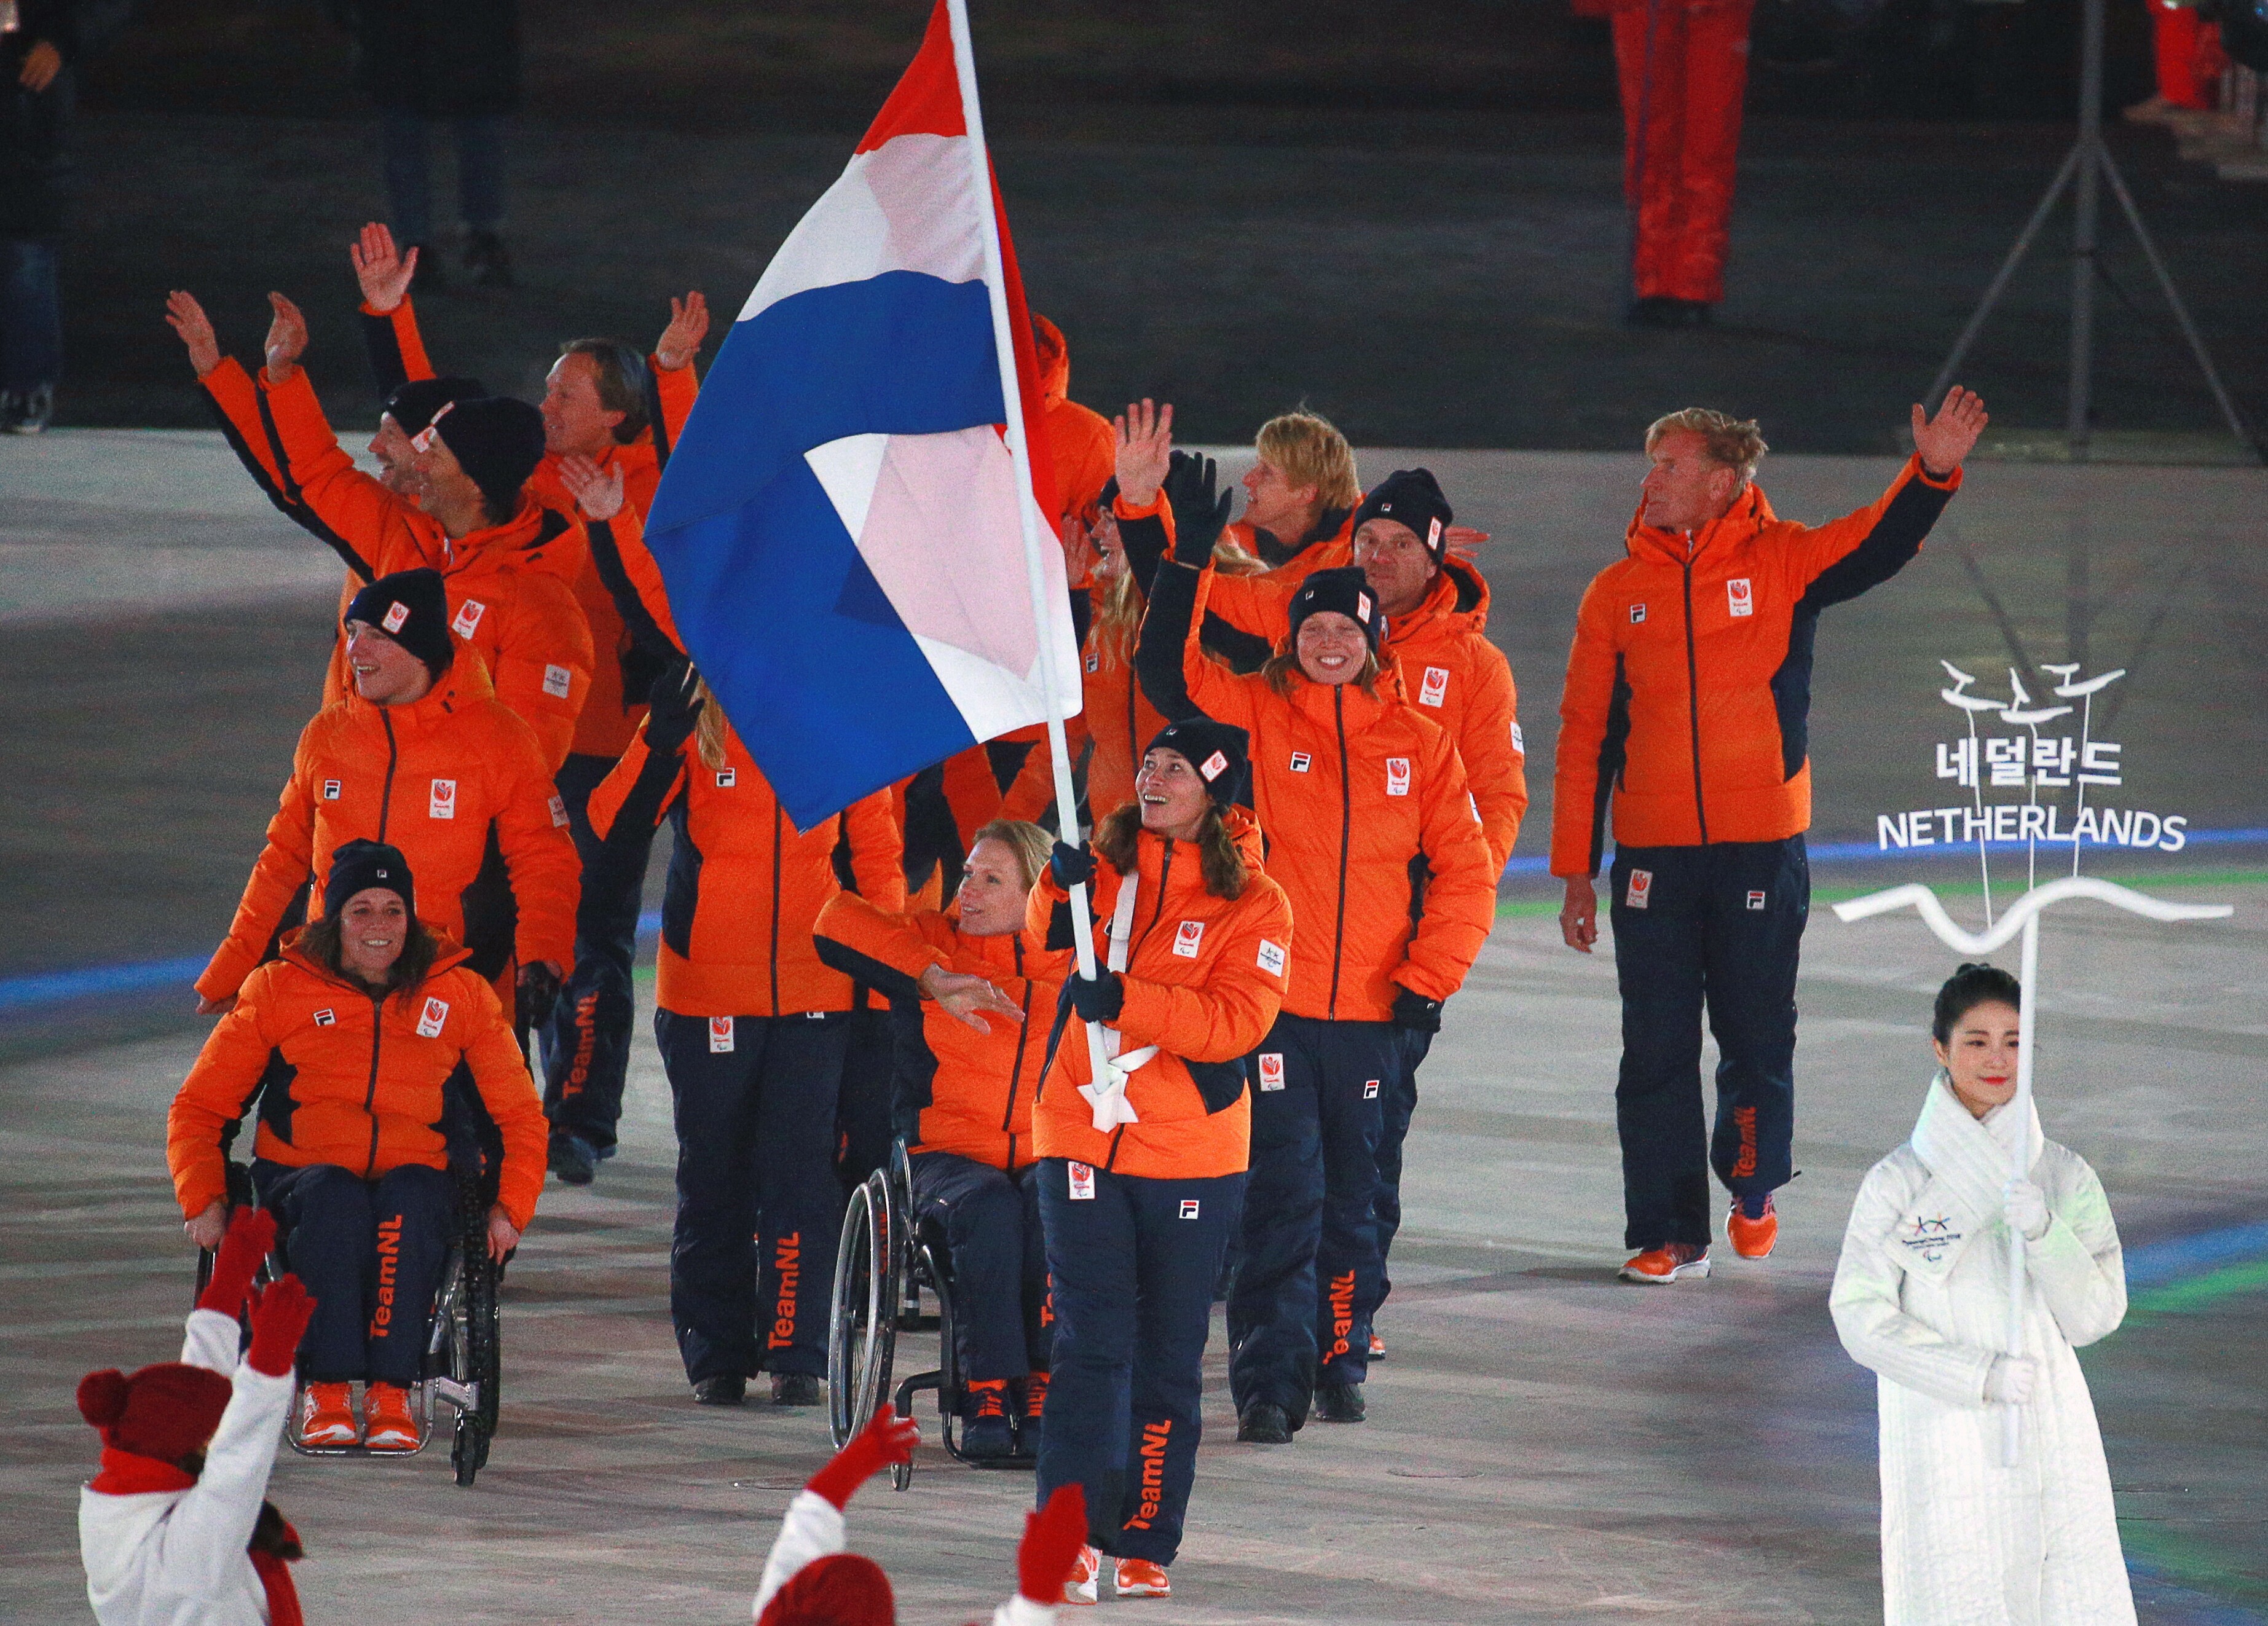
[{"x": 2088, "y": 163}]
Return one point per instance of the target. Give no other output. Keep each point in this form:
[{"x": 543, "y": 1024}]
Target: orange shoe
[
  {"x": 1035, "y": 1396},
  {"x": 385, "y": 1407},
  {"x": 1085, "y": 1583},
  {"x": 1138, "y": 1577},
  {"x": 1753, "y": 1238},
  {"x": 327, "y": 1416},
  {"x": 1672, "y": 1261}
]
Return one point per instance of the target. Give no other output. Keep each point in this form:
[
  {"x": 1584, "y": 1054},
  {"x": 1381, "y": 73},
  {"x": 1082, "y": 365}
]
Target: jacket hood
[
  {"x": 1054, "y": 358},
  {"x": 521, "y": 540},
  {"x": 447, "y": 953},
  {"x": 1244, "y": 830},
  {"x": 1749, "y": 513}
]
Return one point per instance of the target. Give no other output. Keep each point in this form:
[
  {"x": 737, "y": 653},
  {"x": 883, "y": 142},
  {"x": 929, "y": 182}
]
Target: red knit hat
[
  {"x": 845, "y": 1590},
  {"x": 166, "y": 1411}
]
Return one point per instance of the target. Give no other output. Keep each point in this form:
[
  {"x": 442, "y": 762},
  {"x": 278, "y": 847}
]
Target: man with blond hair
[
  {"x": 1688, "y": 690},
  {"x": 1299, "y": 495}
]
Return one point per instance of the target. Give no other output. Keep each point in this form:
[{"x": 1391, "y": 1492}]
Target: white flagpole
[
  {"x": 2028, "y": 977},
  {"x": 1012, "y": 405}
]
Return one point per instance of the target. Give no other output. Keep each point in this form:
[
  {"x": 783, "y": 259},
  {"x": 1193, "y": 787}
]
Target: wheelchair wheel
[
  {"x": 473, "y": 1356},
  {"x": 862, "y": 1327}
]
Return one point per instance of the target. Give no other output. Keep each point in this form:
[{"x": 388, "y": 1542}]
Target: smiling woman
[
  {"x": 1921, "y": 1297},
  {"x": 370, "y": 1049}
]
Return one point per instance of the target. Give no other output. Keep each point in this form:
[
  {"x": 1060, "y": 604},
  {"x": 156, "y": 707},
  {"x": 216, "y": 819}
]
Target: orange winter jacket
[
  {"x": 1372, "y": 827},
  {"x": 510, "y": 587},
  {"x": 369, "y": 1086},
  {"x": 745, "y": 886},
  {"x": 1450, "y": 671},
  {"x": 1688, "y": 682},
  {"x": 622, "y": 675},
  {"x": 1085, "y": 449},
  {"x": 446, "y": 778},
  {"x": 1115, "y": 717},
  {"x": 955, "y": 1090},
  {"x": 1203, "y": 983}
]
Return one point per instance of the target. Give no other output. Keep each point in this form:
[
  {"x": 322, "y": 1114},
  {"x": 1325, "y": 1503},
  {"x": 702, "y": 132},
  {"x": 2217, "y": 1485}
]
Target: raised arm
[
  {"x": 389, "y": 326},
  {"x": 877, "y": 849},
  {"x": 1843, "y": 558}
]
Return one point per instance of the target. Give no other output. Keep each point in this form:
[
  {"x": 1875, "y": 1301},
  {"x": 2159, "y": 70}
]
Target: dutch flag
[{"x": 842, "y": 528}]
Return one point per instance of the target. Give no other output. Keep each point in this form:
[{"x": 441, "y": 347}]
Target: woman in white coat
[{"x": 1921, "y": 1297}]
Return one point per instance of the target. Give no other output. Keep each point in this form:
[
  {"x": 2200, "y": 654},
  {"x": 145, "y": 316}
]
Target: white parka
[
  {"x": 178, "y": 1557},
  {"x": 1921, "y": 1297}
]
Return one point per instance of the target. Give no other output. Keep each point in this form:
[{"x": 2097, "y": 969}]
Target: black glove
[
  {"x": 1413, "y": 1011},
  {"x": 673, "y": 708},
  {"x": 538, "y": 992},
  {"x": 1071, "y": 867},
  {"x": 1099, "y": 1001},
  {"x": 1199, "y": 516}
]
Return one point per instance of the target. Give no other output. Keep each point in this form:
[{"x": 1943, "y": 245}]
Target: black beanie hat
[
  {"x": 413, "y": 403},
  {"x": 1344, "y": 590},
  {"x": 497, "y": 440},
  {"x": 358, "y": 866},
  {"x": 410, "y": 607},
  {"x": 1219, "y": 750},
  {"x": 1409, "y": 496}
]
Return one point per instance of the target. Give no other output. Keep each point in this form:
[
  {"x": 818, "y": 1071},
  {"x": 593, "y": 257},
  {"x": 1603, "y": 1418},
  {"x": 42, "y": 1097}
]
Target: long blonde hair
[
  {"x": 710, "y": 725},
  {"x": 1118, "y": 608}
]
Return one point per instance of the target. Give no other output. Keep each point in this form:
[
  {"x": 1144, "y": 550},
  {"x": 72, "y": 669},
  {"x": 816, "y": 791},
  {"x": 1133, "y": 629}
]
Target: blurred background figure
[
  {"x": 2187, "y": 52},
  {"x": 453, "y": 61},
  {"x": 39, "y": 41},
  {"x": 1683, "y": 69}
]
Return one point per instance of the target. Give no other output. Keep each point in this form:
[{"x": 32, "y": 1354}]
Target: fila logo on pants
[
  {"x": 1271, "y": 1070},
  {"x": 720, "y": 1035},
  {"x": 1082, "y": 1183},
  {"x": 789, "y": 1257},
  {"x": 1641, "y": 888}
]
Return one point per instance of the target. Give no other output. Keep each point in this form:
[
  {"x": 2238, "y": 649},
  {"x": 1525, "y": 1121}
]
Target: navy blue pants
[
  {"x": 586, "y": 1043},
  {"x": 370, "y": 1253},
  {"x": 1716, "y": 928},
  {"x": 759, "y": 1209},
  {"x": 1003, "y": 1323},
  {"x": 1133, "y": 1266},
  {"x": 1299, "y": 1314},
  {"x": 30, "y": 323},
  {"x": 1386, "y": 1207},
  {"x": 480, "y": 172}
]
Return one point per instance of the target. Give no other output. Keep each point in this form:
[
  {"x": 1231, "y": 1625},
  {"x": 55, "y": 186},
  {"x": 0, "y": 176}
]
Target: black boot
[
  {"x": 797, "y": 1389},
  {"x": 486, "y": 262},
  {"x": 1339, "y": 1402},
  {"x": 727, "y": 1390},
  {"x": 1264, "y": 1423}
]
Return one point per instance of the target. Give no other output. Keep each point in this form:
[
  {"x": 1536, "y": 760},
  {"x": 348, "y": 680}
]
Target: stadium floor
[{"x": 1545, "y": 1445}]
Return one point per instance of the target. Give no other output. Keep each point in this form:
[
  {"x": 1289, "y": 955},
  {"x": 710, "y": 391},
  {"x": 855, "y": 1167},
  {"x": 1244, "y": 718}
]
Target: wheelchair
[
  {"x": 463, "y": 1360},
  {"x": 883, "y": 1265}
]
